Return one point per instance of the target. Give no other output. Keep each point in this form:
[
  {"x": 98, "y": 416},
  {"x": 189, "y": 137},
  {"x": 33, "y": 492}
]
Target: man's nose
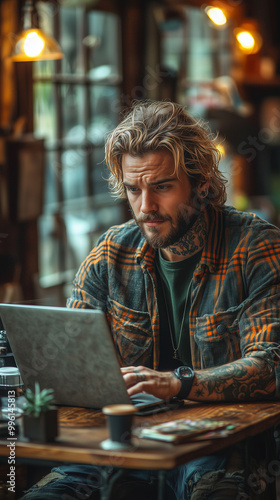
[{"x": 148, "y": 203}]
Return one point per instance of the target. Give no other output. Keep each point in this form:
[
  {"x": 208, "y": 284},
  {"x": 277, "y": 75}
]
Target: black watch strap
[{"x": 186, "y": 375}]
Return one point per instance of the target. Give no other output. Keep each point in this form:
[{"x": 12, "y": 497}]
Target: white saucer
[{"x": 108, "y": 444}]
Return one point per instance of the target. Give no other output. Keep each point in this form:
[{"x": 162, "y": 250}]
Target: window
[
  {"x": 201, "y": 57},
  {"x": 76, "y": 102},
  {"x": 197, "y": 52}
]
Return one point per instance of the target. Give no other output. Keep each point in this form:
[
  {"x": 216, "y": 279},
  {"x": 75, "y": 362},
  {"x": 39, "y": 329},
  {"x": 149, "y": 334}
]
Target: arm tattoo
[{"x": 248, "y": 379}]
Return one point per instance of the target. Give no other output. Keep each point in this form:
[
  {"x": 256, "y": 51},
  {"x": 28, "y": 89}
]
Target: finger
[
  {"x": 133, "y": 378},
  {"x": 140, "y": 377},
  {"x": 127, "y": 369},
  {"x": 133, "y": 369},
  {"x": 146, "y": 387}
]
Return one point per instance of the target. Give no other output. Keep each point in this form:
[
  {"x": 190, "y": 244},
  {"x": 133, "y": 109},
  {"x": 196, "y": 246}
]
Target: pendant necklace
[{"x": 175, "y": 349}]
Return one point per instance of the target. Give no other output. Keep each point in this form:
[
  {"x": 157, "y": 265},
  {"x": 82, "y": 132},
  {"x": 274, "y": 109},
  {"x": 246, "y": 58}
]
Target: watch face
[{"x": 185, "y": 371}]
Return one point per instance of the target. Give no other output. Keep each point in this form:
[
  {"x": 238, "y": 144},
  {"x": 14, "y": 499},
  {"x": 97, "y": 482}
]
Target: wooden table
[{"x": 81, "y": 432}]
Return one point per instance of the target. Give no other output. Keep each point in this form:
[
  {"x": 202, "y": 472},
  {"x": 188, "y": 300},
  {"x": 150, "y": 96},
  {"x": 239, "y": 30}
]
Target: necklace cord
[{"x": 172, "y": 336}]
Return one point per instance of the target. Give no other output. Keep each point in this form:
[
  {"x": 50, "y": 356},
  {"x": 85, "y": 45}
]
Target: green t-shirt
[{"x": 174, "y": 304}]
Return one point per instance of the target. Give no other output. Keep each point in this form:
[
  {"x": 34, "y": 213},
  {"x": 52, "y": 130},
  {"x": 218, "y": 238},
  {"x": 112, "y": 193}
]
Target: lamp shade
[{"x": 35, "y": 45}]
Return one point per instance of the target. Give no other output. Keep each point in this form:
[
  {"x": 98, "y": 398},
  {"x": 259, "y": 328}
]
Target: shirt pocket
[
  {"x": 218, "y": 338},
  {"x": 132, "y": 335}
]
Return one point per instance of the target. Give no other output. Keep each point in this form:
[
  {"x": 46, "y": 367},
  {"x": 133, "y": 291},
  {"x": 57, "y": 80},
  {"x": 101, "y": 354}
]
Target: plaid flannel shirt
[{"x": 235, "y": 292}]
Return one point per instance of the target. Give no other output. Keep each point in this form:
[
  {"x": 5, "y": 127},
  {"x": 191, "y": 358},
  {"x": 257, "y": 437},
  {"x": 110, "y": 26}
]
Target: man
[{"x": 190, "y": 287}]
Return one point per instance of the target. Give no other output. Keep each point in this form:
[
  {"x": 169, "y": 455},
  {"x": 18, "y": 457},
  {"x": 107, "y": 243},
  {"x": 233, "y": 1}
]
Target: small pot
[{"x": 43, "y": 428}]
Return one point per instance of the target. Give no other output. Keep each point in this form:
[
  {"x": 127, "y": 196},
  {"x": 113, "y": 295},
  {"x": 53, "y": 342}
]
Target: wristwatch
[{"x": 186, "y": 375}]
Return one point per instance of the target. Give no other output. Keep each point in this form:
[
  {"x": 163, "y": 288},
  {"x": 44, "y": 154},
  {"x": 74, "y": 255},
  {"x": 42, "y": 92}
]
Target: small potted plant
[{"x": 40, "y": 416}]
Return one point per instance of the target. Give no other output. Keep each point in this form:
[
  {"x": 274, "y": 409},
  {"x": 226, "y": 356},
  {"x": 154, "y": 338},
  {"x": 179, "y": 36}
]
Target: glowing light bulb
[
  {"x": 246, "y": 40},
  {"x": 33, "y": 44},
  {"x": 216, "y": 15}
]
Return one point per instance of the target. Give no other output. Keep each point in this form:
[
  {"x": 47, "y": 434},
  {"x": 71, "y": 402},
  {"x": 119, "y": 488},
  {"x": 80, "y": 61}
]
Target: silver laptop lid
[{"x": 68, "y": 350}]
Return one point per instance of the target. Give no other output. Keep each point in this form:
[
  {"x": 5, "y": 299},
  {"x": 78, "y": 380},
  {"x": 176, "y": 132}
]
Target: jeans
[{"x": 82, "y": 482}]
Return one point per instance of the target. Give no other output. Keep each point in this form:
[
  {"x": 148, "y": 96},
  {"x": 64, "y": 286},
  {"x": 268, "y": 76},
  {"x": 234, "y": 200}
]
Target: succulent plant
[{"x": 38, "y": 401}]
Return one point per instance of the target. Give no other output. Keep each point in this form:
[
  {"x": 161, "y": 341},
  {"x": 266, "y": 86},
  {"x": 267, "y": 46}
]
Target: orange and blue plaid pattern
[{"x": 235, "y": 294}]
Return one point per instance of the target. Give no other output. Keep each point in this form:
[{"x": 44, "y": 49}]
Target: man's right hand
[{"x": 163, "y": 385}]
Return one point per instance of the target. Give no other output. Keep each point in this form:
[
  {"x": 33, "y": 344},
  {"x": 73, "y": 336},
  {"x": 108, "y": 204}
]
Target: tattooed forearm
[{"x": 248, "y": 379}]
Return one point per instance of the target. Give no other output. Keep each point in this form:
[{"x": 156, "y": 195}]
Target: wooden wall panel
[{"x": 8, "y": 28}]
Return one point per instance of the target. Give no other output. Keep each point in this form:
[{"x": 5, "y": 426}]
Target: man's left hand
[{"x": 163, "y": 385}]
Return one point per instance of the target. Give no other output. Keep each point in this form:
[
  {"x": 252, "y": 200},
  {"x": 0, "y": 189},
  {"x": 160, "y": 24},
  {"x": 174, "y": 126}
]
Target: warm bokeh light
[
  {"x": 249, "y": 40},
  {"x": 246, "y": 40},
  {"x": 221, "y": 150},
  {"x": 33, "y": 44},
  {"x": 216, "y": 15}
]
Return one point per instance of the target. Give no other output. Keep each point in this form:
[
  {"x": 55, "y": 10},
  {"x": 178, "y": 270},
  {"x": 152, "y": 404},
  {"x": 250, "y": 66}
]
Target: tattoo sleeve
[{"x": 248, "y": 379}]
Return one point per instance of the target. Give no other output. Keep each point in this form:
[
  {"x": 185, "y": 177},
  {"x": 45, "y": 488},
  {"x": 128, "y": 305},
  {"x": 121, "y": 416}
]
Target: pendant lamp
[{"x": 33, "y": 44}]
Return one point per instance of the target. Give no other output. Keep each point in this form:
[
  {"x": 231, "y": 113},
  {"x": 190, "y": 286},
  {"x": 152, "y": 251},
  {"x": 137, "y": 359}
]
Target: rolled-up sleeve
[{"x": 91, "y": 281}]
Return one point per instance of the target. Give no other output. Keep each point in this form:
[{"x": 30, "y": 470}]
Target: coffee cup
[{"x": 119, "y": 420}]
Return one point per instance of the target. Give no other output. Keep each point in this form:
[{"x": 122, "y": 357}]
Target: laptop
[{"x": 72, "y": 352}]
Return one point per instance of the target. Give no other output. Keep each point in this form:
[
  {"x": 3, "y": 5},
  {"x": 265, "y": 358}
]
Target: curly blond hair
[{"x": 156, "y": 125}]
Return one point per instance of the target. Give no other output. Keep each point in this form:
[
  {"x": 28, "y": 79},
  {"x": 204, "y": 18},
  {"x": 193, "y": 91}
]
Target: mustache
[{"x": 153, "y": 217}]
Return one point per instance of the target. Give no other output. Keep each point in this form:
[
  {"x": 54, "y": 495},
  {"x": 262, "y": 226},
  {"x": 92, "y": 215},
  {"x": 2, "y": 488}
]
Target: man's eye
[
  {"x": 162, "y": 187},
  {"x": 132, "y": 189}
]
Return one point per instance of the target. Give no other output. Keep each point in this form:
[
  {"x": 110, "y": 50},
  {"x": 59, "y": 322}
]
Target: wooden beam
[{"x": 9, "y": 20}]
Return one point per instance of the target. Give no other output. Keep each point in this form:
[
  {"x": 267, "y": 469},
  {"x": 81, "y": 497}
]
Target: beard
[{"x": 183, "y": 222}]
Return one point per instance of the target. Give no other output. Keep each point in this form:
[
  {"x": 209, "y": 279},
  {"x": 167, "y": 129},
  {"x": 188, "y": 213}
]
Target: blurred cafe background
[{"x": 62, "y": 88}]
